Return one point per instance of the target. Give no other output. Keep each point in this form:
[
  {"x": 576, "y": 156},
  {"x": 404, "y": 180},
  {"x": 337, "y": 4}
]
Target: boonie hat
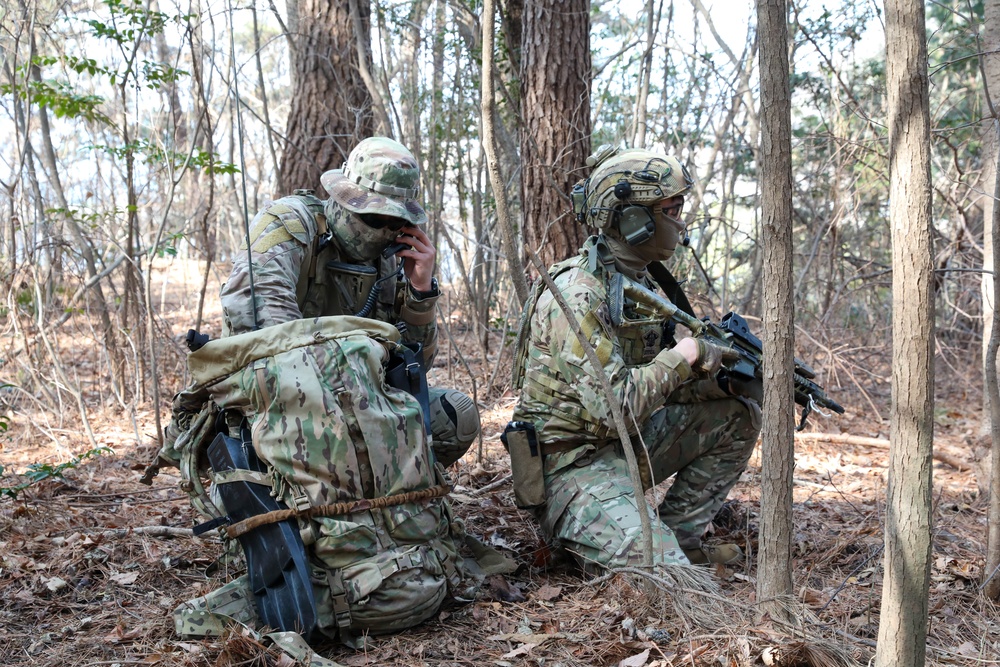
[{"x": 380, "y": 176}]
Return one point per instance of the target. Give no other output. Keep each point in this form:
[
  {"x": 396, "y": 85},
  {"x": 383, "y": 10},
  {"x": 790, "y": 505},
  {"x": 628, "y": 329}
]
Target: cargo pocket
[
  {"x": 395, "y": 590},
  {"x": 602, "y": 521},
  {"x": 415, "y": 523},
  {"x": 341, "y": 543}
]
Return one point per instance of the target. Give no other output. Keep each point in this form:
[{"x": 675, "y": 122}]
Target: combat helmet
[
  {"x": 380, "y": 177},
  {"x": 623, "y": 185}
]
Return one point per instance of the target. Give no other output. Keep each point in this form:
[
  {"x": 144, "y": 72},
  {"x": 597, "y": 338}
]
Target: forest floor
[{"x": 89, "y": 575}]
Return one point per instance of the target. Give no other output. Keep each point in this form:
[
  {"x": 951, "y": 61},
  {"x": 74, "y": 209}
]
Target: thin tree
[
  {"x": 903, "y": 627},
  {"x": 990, "y": 63},
  {"x": 506, "y": 226},
  {"x": 774, "y": 574},
  {"x": 555, "y": 135},
  {"x": 331, "y": 107},
  {"x": 639, "y": 121}
]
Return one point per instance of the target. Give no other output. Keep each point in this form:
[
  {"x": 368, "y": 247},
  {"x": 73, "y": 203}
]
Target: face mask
[
  {"x": 359, "y": 241},
  {"x": 666, "y": 237}
]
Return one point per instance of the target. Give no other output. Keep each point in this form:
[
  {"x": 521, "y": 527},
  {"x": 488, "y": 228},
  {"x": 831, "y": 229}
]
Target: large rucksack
[{"x": 345, "y": 459}]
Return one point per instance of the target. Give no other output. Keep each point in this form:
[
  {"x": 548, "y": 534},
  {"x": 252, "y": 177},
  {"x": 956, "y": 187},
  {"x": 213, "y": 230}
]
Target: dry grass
[{"x": 81, "y": 587}]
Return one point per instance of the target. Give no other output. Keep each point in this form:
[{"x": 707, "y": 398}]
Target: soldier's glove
[{"x": 711, "y": 357}]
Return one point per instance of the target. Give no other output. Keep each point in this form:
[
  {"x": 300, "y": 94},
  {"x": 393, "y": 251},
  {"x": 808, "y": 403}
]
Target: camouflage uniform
[
  {"x": 685, "y": 423},
  {"x": 310, "y": 260}
]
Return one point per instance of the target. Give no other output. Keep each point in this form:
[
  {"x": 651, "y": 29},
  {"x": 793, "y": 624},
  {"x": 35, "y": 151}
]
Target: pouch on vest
[
  {"x": 277, "y": 564},
  {"x": 526, "y": 464},
  {"x": 406, "y": 371}
]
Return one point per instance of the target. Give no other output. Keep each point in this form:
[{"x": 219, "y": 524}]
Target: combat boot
[{"x": 723, "y": 554}]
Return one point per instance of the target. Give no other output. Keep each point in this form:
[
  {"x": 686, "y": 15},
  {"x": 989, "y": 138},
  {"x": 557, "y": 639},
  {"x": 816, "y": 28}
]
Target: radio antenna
[{"x": 243, "y": 173}]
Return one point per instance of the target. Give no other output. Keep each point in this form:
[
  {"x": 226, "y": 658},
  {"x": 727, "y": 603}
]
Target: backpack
[{"x": 345, "y": 457}]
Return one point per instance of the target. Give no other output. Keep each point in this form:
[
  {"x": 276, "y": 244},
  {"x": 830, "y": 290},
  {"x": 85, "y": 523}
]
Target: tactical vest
[
  {"x": 330, "y": 285},
  {"x": 638, "y": 340}
]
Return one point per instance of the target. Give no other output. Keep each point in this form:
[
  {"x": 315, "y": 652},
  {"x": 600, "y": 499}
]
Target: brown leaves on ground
[{"x": 91, "y": 567}]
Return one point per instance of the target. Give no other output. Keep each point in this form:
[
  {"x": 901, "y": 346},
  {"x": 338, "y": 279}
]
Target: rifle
[{"x": 731, "y": 332}]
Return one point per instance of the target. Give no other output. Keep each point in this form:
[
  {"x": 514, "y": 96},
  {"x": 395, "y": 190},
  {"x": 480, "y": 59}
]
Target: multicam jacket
[
  {"x": 299, "y": 271},
  {"x": 559, "y": 391}
]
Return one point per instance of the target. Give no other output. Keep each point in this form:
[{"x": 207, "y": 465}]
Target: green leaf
[
  {"x": 60, "y": 98},
  {"x": 37, "y": 472}
]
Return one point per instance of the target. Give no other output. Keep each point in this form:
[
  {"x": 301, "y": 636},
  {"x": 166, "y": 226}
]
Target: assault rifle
[{"x": 731, "y": 332}]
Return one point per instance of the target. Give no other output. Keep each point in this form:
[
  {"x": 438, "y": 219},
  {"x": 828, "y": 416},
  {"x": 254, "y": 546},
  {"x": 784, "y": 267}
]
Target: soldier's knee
[
  {"x": 454, "y": 425},
  {"x": 749, "y": 421}
]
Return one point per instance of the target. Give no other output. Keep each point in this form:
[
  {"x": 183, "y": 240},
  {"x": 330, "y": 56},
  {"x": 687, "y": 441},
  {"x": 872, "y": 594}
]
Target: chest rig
[
  {"x": 641, "y": 336},
  {"x": 331, "y": 285}
]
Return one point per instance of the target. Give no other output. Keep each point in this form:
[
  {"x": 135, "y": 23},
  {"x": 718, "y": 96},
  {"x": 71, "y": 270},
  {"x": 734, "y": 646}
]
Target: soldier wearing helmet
[
  {"x": 314, "y": 258},
  {"x": 566, "y": 458}
]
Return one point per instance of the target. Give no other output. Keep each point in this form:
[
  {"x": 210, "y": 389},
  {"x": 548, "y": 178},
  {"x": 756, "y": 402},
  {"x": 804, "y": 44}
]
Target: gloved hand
[{"x": 711, "y": 357}]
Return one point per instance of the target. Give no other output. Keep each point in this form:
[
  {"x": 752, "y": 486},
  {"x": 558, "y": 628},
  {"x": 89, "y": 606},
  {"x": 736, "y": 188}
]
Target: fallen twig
[
  {"x": 492, "y": 485},
  {"x": 152, "y": 531},
  {"x": 880, "y": 443}
]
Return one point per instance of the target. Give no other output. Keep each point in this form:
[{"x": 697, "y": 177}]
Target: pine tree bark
[
  {"x": 774, "y": 573},
  {"x": 331, "y": 106},
  {"x": 903, "y": 627},
  {"x": 555, "y": 136}
]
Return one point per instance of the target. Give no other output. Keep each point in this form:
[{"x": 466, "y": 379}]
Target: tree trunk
[
  {"x": 504, "y": 222},
  {"x": 903, "y": 627},
  {"x": 639, "y": 135},
  {"x": 992, "y": 583},
  {"x": 988, "y": 477},
  {"x": 331, "y": 107},
  {"x": 774, "y": 572},
  {"x": 512, "y": 24},
  {"x": 555, "y": 137},
  {"x": 991, "y": 288}
]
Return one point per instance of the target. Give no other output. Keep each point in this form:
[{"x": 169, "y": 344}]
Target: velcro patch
[
  {"x": 291, "y": 228},
  {"x": 604, "y": 347}
]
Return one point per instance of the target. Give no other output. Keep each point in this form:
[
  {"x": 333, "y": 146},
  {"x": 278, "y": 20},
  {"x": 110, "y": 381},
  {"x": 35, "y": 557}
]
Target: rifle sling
[{"x": 661, "y": 274}]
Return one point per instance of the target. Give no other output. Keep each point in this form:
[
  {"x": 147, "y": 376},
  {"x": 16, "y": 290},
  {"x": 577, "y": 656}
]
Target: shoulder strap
[
  {"x": 315, "y": 207},
  {"x": 662, "y": 276}
]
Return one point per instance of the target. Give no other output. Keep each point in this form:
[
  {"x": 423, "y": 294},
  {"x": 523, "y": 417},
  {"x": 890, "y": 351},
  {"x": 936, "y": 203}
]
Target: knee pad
[
  {"x": 454, "y": 417},
  {"x": 454, "y": 425}
]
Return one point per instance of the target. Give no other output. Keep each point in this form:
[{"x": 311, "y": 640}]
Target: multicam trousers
[{"x": 591, "y": 510}]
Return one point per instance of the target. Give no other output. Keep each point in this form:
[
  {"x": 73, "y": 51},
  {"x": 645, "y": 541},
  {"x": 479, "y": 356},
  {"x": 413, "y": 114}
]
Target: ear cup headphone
[{"x": 634, "y": 222}]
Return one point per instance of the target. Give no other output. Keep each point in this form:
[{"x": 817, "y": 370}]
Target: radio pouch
[
  {"x": 526, "y": 464},
  {"x": 406, "y": 372}
]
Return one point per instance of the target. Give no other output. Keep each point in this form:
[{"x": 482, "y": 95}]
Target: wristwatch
[{"x": 420, "y": 295}]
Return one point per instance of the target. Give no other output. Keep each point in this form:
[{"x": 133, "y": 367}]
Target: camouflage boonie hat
[
  {"x": 642, "y": 178},
  {"x": 381, "y": 176}
]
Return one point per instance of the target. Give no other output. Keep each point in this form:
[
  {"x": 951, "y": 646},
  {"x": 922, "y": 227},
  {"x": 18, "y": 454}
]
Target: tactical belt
[
  {"x": 245, "y": 526},
  {"x": 552, "y": 448}
]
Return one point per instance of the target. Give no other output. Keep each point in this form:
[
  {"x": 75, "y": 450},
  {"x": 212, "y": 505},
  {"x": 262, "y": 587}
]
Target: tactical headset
[{"x": 637, "y": 187}]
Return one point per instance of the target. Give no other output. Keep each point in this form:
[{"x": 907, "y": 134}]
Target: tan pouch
[{"x": 526, "y": 464}]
